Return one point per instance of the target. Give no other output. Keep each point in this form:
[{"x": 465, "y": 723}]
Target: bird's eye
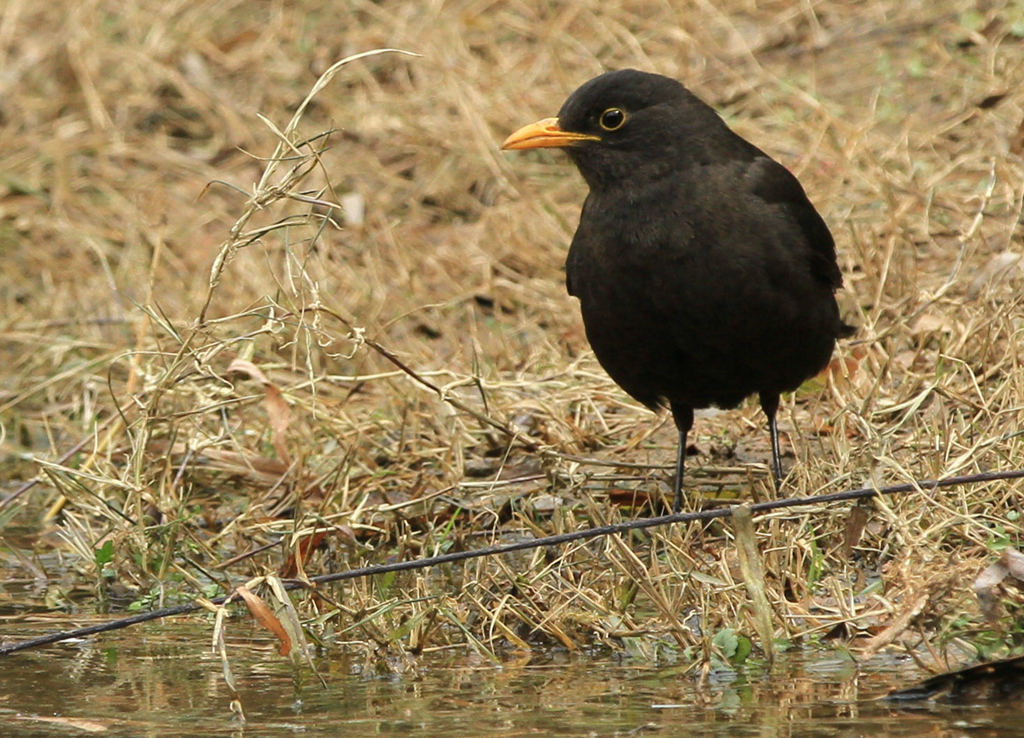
[{"x": 612, "y": 119}]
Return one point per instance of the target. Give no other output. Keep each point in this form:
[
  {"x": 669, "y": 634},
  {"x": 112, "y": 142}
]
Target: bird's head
[{"x": 624, "y": 125}]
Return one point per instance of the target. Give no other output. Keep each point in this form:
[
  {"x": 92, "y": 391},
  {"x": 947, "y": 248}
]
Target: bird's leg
[
  {"x": 770, "y": 406},
  {"x": 683, "y": 416},
  {"x": 680, "y": 458}
]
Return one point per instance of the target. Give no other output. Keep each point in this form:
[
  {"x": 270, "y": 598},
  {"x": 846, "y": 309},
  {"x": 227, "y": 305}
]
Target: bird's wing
[{"x": 775, "y": 185}]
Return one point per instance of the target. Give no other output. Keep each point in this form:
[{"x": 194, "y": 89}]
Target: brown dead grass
[{"x": 902, "y": 119}]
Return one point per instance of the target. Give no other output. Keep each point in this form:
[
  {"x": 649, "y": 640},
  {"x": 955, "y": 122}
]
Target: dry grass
[{"x": 902, "y": 119}]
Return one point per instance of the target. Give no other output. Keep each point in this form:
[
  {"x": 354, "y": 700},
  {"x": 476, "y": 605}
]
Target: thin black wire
[{"x": 604, "y": 530}]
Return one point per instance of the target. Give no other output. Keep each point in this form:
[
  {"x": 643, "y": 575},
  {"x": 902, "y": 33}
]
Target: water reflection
[{"x": 161, "y": 679}]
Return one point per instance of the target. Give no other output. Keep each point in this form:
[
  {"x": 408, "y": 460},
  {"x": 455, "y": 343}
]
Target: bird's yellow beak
[{"x": 545, "y": 134}]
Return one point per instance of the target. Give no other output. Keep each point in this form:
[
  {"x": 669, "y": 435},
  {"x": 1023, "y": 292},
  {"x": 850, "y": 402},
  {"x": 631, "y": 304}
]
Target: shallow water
[{"x": 163, "y": 680}]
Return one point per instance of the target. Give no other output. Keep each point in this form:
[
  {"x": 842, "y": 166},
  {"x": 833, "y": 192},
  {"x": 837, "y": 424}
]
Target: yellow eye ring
[{"x": 612, "y": 119}]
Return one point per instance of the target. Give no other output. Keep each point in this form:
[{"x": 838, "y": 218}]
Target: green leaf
[
  {"x": 105, "y": 554},
  {"x": 733, "y": 645},
  {"x": 743, "y": 649},
  {"x": 727, "y": 642}
]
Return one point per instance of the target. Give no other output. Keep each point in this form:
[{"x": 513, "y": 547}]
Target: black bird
[{"x": 704, "y": 274}]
